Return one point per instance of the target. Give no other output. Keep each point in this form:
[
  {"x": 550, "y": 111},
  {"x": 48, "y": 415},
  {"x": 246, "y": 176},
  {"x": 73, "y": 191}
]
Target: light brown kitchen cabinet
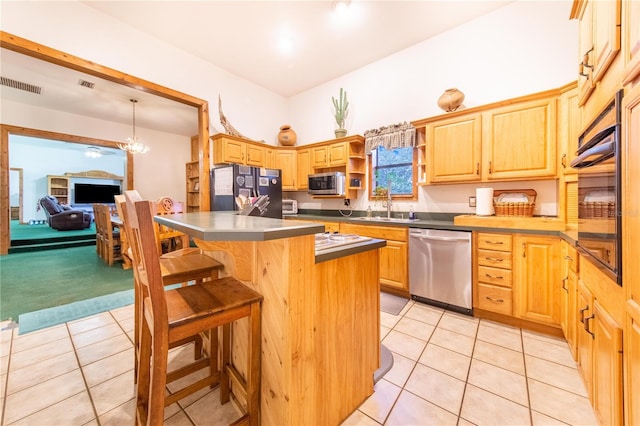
[
  {"x": 630, "y": 246},
  {"x": 285, "y": 160},
  {"x": 229, "y": 149},
  {"x": 598, "y": 41},
  {"x": 584, "y": 338},
  {"x": 537, "y": 278},
  {"x": 607, "y": 366},
  {"x": 520, "y": 141},
  {"x": 568, "y": 295},
  {"x": 569, "y": 128},
  {"x": 256, "y": 156},
  {"x": 493, "y": 262},
  {"x": 394, "y": 277},
  {"x": 455, "y": 147},
  {"x": 303, "y": 167},
  {"x": 630, "y": 40},
  {"x": 333, "y": 155}
]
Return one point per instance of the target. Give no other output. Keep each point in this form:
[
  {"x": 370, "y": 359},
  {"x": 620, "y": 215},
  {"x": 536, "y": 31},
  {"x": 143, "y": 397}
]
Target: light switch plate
[{"x": 472, "y": 201}]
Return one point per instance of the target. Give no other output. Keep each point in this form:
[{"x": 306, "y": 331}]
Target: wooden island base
[{"x": 320, "y": 327}]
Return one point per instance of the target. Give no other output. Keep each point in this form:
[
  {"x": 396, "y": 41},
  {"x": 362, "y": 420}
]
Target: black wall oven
[{"x": 599, "y": 192}]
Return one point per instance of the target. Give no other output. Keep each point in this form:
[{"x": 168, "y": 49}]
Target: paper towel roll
[{"x": 484, "y": 201}]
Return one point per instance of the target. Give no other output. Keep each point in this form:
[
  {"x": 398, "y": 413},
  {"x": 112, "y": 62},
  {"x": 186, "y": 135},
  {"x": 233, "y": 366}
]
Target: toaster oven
[{"x": 289, "y": 207}]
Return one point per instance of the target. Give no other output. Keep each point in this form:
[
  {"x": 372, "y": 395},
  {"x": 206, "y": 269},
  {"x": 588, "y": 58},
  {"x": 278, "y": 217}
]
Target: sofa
[{"x": 63, "y": 218}]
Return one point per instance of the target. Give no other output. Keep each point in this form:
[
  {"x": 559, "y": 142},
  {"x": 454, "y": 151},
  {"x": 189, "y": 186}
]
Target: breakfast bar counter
[{"x": 320, "y": 319}]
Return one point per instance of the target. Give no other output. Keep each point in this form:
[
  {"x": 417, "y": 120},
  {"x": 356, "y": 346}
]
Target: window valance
[{"x": 401, "y": 135}]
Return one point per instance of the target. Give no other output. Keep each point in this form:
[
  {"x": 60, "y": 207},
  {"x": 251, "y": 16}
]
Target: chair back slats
[{"x": 168, "y": 238}]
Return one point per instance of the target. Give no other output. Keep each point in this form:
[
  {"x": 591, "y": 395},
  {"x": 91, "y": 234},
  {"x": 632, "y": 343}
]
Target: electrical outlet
[
  {"x": 472, "y": 201},
  {"x": 347, "y": 202}
]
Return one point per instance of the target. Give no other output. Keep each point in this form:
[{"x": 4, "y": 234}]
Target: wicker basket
[{"x": 512, "y": 208}]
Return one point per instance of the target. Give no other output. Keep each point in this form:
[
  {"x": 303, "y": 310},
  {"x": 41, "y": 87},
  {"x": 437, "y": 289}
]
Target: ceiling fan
[{"x": 97, "y": 152}]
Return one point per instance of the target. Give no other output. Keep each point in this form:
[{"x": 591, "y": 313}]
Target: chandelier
[{"x": 133, "y": 144}]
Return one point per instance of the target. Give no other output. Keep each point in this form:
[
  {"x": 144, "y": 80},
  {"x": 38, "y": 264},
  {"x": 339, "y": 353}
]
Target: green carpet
[
  {"x": 44, "y": 279},
  {"x": 44, "y": 318},
  {"x": 36, "y": 232}
]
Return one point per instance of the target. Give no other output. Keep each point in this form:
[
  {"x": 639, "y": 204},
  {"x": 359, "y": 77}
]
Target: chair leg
[
  {"x": 225, "y": 361},
  {"x": 158, "y": 379},
  {"x": 254, "y": 355},
  {"x": 143, "y": 376}
]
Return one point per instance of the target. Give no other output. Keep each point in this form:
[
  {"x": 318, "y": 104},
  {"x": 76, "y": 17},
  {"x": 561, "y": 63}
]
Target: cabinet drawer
[
  {"x": 497, "y": 259},
  {"x": 500, "y": 242},
  {"x": 381, "y": 232},
  {"x": 495, "y": 299},
  {"x": 496, "y": 276}
]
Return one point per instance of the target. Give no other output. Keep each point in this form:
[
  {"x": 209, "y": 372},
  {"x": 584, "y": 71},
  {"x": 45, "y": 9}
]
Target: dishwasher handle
[{"x": 421, "y": 237}]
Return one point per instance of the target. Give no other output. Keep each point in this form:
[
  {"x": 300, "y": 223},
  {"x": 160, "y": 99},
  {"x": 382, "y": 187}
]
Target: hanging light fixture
[{"x": 133, "y": 144}]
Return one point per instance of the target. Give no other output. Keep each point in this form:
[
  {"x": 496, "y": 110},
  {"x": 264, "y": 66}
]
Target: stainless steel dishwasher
[{"x": 440, "y": 268}]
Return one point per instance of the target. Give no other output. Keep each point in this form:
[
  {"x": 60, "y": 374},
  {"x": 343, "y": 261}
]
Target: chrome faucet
[{"x": 389, "y": 199}]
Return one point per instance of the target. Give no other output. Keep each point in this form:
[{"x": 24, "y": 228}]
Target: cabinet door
[
  {"x": 606, "y": 35},
  {"x": 607, "y": 367},
  {"x": 585, "y": 339},
  {"x": 256, "y": 156},
  {"x": 393, "y": 265},
  {"x": 631, "y": 40},
  {"x": 569, "y": 126},
  {"x": 537, "y": 279},
  {"x": 319, "y": 157},
  {"x": 229, "y": 151},
  {"x": 585, "y": 52},
  {"x": 520, "y": 141},
  {"x": 632, "y": 363},
  {"x": 303, "y": 167},
  {"x": 286, "y": 161},
  {"x": 455, "y": 146},
  {"x": 337, "y": 154}
]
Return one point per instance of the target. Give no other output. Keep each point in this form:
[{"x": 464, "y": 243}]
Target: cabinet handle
[
  {"x": 564, "y": 161},
  {"x": 581, "y": 70},
  {"x": 494, "y": 300},
  {"x": 494, "y": 259},
  {"x": 585, "y": 59},
  {"x": 490, "y": 169},
  {"x": 493, "y": 242},
  {"x": 564, "y": 281},
  {"x": 491, "y": 276},
  {"x": 586, "y": 325},
  {"x": 524, "y": 249},
  {"x": 569, "y": 258},
  {"x": 477, "y": 168},
  {"x": 586, "y": 308}
]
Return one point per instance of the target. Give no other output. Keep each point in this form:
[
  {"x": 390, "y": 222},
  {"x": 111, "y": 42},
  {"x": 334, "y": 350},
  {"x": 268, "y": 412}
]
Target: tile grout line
[{"x": 6, "y": 379}]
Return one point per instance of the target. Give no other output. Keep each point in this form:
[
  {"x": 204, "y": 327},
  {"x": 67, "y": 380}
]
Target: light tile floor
[{"x": 448, "y": 369}]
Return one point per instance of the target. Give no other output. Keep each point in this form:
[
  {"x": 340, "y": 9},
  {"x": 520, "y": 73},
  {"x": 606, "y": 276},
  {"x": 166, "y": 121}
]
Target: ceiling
[{"x": 243, "y": 38}]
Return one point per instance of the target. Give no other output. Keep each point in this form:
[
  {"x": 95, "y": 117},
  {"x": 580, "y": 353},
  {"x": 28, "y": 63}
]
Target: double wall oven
[{"x": 599, "y": 193}]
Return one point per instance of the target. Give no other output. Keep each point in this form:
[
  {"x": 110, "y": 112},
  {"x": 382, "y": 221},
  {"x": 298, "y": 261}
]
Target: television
[{"x": 89, "y": 193}]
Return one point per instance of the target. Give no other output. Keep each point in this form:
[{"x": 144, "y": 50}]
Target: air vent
[
  {"x": 85, "y": 83},
  {"x": 9, "y": 82}
]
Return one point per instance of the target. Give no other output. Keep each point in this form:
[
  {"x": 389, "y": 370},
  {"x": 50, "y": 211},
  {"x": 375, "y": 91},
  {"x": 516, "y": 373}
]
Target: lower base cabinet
[
  {"x": 394, "y": 258},
  {"x": 632, "y": 364}
]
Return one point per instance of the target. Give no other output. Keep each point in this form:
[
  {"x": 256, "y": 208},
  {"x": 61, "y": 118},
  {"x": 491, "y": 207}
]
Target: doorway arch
[{"x": 42, "y": 52}]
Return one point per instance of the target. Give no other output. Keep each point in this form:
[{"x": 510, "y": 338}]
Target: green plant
[{"x": 341, "y": 106}]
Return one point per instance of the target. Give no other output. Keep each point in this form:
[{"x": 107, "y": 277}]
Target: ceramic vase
[
  {"x": 286, "y": 136},
  {"x": 451, "y": 100}
]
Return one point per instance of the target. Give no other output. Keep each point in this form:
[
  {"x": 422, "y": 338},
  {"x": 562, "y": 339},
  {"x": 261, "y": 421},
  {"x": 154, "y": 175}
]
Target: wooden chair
[
  {"x": 99, "y": 230},
  {"x": 173, "y": 315},
  {"x": 169, "y": 239},
  {"x": 182, "y": 266},
  {"x": 109, "y": 237}
]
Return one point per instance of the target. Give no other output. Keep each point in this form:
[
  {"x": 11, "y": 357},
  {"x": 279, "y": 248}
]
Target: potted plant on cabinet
[{"x": 341, "y": 106}]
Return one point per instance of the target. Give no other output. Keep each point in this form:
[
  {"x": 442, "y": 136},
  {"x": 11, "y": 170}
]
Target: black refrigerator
[{"x": 234, "y": 180}]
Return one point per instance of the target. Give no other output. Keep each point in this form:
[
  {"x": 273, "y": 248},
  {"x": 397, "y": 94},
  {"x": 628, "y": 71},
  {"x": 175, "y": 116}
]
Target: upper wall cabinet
[
  {"x": 631, "y": 40},
  {"x": 509, "y": 140},
  {"x": 598, "y": 41}
]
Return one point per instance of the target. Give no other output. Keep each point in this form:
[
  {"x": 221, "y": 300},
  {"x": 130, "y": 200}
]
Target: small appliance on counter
[
  {"x": 259, "y": 185},
  {"x": 289, "y": 207}
]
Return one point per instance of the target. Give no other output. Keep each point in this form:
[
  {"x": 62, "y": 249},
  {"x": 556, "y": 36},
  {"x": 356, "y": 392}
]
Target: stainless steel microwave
[{"x": 329, "y": 183}]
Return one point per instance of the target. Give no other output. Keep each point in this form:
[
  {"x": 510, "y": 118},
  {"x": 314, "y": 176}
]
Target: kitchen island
[{"x": 320, "y": 316}]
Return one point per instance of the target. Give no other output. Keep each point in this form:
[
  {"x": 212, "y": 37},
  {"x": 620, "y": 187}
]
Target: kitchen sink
[{"x": 385, "y": 219}]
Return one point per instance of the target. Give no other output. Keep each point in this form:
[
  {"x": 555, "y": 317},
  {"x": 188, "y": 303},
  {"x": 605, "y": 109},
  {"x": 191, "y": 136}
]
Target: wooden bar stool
[
  {"x": 175, "y": 268},
  {"x": 175, "y": 315}
]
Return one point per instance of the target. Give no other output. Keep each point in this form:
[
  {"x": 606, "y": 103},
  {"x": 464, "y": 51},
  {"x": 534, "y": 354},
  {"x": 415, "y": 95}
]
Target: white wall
[{"x": 522, "y": 48}]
